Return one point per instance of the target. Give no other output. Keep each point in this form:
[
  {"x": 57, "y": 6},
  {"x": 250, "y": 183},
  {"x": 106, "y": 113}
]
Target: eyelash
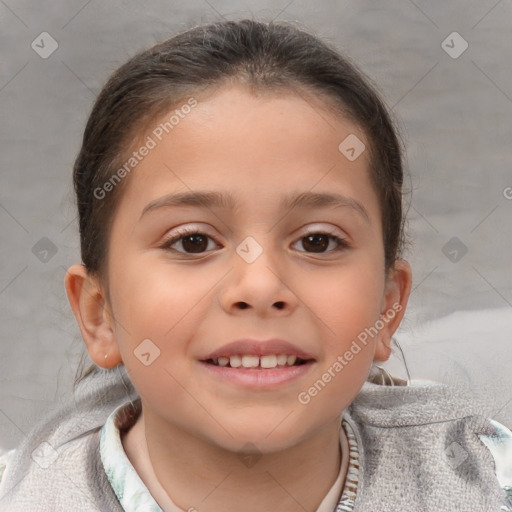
[{"x": 342, "y": 244}]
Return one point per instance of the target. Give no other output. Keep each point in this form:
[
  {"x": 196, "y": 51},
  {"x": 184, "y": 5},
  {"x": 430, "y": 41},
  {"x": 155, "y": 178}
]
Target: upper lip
[{"x": 252, "y": 347}]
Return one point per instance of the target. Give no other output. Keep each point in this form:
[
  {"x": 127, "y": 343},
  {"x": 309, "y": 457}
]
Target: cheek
[
  {"x": 156, "y": 311},
  {"x": 346, "y": 300},
  {"x": 346, "y": 305},
  {"x": 153, "y": 301},
  {"x": 151, "y": 296}
]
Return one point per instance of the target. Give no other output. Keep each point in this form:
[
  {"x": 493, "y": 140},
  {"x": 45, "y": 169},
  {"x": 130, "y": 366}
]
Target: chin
[{"x": 262, "y": 437}]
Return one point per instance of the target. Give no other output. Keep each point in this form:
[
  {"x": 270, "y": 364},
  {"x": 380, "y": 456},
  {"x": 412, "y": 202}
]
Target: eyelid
[
  {"x": 190, "y": 229},
  {"x": 313, "y": 228},
  {"x": 321, "y": 228}
]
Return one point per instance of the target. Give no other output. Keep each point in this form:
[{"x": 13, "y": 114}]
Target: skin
[{"x": 256, "y": 147}]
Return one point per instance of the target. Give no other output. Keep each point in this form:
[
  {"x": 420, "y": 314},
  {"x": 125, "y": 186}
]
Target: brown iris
[
  {"x": 195, "y": 243},
  {"x": 315, "y": 243}
]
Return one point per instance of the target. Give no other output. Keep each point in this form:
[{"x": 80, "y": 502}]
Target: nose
[{"x": 260, "y": 287}]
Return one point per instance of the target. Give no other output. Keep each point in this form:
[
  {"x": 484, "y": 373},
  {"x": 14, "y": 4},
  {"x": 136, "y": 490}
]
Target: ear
[
  {"x": 394, "y": 303},
  {"x": 94, "y": 316}
]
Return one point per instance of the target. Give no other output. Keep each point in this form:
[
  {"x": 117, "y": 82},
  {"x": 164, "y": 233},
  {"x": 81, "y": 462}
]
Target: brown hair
[{"x": 264, "y": 56}]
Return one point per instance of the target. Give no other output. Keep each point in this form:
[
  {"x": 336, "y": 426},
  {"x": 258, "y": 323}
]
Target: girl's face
[{"x": 264, "y": 193}]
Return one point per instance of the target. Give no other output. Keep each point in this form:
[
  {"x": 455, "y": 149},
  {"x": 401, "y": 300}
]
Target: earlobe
[
  {"x": 394, "y": 304},
  {"x": 92, "y": 312}
]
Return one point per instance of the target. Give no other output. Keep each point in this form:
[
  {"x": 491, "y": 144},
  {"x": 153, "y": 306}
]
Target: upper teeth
[{"x": 270, "y": 361}]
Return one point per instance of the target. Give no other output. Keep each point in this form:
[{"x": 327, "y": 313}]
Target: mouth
[
  {"x": 258, "y": 364},
  {"x": 257, "y": 373},
  {"x": 266, "y": 362}
]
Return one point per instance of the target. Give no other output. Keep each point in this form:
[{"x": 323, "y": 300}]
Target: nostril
[{"x": 244, "y": 305}]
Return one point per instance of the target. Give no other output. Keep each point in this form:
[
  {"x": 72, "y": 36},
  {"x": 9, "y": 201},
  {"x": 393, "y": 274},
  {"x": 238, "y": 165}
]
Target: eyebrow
[{"x": 303, "y": 200}]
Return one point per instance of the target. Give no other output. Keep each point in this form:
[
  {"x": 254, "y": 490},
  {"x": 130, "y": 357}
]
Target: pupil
[
  {"x": 196, "y": 243},
  {"x": 316, "y": 242}
]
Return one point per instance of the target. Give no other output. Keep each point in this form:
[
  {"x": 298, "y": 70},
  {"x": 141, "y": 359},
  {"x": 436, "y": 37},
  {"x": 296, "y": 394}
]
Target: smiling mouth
[{"x": 267, "y": 362}]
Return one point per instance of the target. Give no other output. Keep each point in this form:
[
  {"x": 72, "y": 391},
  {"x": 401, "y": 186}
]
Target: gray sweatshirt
[{"x": 419, "y": 450}]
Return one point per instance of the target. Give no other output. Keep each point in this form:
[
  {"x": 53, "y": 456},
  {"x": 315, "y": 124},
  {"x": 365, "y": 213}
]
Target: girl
[{"x": 239, "y": 190}]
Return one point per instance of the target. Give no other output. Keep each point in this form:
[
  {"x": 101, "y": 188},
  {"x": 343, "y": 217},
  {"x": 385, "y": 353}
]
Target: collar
[{"x": 133, "y": 494}]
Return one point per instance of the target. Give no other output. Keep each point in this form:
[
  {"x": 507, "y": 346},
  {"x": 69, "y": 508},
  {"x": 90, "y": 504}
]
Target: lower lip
[{"x": 258, "y": 378}]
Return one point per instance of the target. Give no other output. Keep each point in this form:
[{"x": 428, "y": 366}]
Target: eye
[
  {"x": 193, "y": 241},
  {"x": 319, "y": 242},
  {"x": 190, "y": 240}
]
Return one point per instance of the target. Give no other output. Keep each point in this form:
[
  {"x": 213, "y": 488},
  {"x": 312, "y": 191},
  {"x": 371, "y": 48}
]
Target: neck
[{"x": 198, "y": 475}]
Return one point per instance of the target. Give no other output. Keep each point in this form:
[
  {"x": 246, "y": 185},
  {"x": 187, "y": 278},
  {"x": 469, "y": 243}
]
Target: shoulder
[
  {"x": 68, "y": 476},
  {"x": 438, "y": 434},
  {"x": 58, "y": 463}
]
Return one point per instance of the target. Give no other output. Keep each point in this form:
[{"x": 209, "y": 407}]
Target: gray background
[{"x": 454, "y": 114}]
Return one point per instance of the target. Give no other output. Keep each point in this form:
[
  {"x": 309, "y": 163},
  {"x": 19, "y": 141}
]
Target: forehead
[{"x": 264, "y": 143}]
